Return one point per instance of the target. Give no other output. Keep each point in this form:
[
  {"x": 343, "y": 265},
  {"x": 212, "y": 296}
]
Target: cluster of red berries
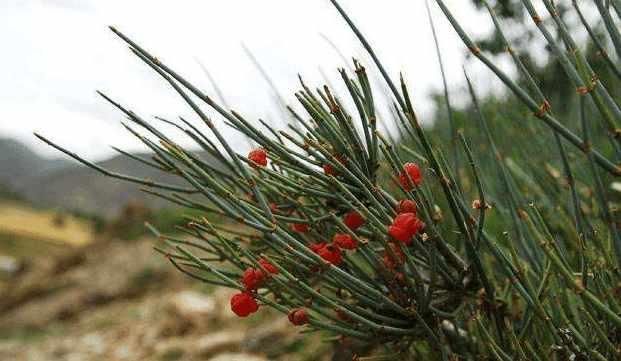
[
  {"x": 332, "y": 252},
  {"x": 244, "y": 303},
  {"x": 405, "y": 225},
  {"x": 403, "y": 228},
  {"x": 329, "y": 252},
  {"x": 397, "y": 257}
]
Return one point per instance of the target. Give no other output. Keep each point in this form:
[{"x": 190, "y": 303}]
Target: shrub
[{"x": 498, "y": 257}]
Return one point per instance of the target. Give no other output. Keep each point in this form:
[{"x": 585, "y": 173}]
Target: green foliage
[
  {"x": 130, "y": 223},
  {"x": 167, "y": 219},
  {"x": 519, "y": 257}
]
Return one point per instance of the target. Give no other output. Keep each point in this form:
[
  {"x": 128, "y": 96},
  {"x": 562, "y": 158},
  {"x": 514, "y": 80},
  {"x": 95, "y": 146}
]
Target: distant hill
[
  {"x": 18, "y": 163},
  {"x": 70, "y": 186}
]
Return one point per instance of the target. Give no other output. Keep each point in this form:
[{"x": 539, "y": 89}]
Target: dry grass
[{"x": 27, "y": 223}]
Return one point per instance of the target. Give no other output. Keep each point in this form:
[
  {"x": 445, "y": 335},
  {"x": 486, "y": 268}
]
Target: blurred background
[{"x": 78, "y": 276}]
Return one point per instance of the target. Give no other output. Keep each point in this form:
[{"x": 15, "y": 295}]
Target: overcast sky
[{"x": 56, "y": 53}]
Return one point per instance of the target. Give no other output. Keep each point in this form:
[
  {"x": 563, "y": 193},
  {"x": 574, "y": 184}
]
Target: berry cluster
[
  {"x": 403, "y": 228},
  {"x": 244, "y": 303}
]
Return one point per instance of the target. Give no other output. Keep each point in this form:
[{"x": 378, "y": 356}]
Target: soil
[{"x": 119, "y": 300}]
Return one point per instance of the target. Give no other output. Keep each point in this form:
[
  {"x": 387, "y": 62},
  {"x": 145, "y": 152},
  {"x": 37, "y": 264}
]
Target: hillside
[
  {"x": 83, "y": 189},
  {"x": 67, "y": 185},
  {"x": 18, "y": 164},
  {"x": 20, "y": 221}
]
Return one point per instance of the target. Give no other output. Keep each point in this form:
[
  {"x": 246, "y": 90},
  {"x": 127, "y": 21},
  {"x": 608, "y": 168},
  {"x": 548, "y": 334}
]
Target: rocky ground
[{"x": 118, "y": 300}]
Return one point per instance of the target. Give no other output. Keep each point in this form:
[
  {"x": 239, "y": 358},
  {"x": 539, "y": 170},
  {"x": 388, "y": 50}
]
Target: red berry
[
  {"x": 298, "y": 316},
  {"x": 268, "y": 266},
  {"x": 400, "y": 234},
  {"x": 418, "y": 226},
  {"x": 243, "y": 304},
  {"x": 345, "y": 241},
  {"x": 328, "y": 169},
  {"x": 315, "y": 247},
  {"x": 405, "y": 226},
  {"x": 407, "y": 206},
  {"x": 405, "y": 220},
  {"x": 413, "y": 171},
  {"x": 331, "y": 254},
  {"x": 252, "y": 278},
  {"x": 353, "y": 220},
  {"x": 258, "y": 156},
  {"x": 300, "y": 227}
]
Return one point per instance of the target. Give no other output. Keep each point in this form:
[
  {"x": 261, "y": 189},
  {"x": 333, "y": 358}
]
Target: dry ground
[
  {"x": 45, "y": 225},
  {"x": 118, "y": 300}
]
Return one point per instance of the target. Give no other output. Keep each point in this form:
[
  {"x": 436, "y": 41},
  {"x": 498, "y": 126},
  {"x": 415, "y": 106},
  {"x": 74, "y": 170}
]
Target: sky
[{"x": 56, "y": 53}]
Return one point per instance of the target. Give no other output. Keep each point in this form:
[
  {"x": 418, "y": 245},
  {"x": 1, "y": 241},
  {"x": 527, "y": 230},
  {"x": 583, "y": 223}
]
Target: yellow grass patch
[{"x": 25, "y": 222}]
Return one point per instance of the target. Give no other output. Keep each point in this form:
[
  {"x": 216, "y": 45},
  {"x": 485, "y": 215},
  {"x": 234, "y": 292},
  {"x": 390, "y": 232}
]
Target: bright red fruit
[
  {"x": 252, "y": 278},
  {"x": 405, "y": 226},
  {"x": 345, "y": 241},
  {"x": 418, "y": 226},
  {"x": 353, "y": 220},
  {"x": 258, "y": 156},
  {"x": 413, "y": 171},
  {"x": 298, "y": 316},
  {"x": 407, "y": 206},
  {"x": 328, "y": 169},
  {"x": 331, "y": 254},
  {"x": 405, "y": 220},
  {"x": 243, "y": 304},
  {"x": 315, "y": 247},
  {"x": 300, "y": 227},
  {"x": 268, "y": 266},
  {"x": 400, "y": 234}
]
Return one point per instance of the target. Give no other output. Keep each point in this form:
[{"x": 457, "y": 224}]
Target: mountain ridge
[
  {"x": 68, "y": 185},
  {"x": 19, "y": 162}
]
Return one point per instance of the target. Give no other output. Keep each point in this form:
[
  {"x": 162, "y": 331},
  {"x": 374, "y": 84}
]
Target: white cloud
[{"x": 56, "y": 53}]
